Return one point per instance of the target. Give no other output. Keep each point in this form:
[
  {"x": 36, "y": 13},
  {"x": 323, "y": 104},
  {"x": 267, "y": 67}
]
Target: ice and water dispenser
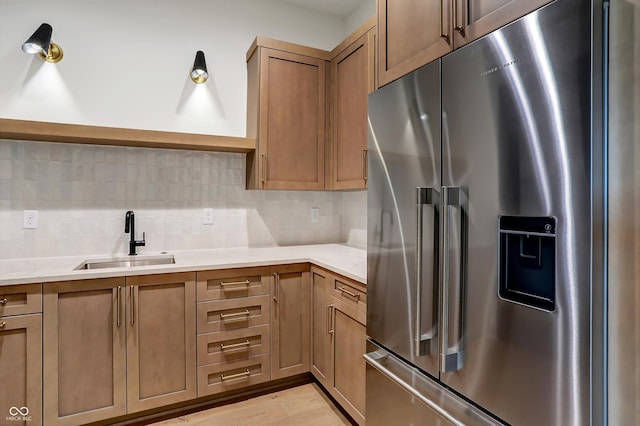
[{"x": 528, "y": 260}]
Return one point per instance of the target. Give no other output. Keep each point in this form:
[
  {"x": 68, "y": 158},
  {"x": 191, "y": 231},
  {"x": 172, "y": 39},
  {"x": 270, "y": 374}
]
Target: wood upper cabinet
[
  {"x": 416, "y": 32},
  {"x": 290, "y": 315},
  {"x": 352, "y": 79},
  {"x": 339, "y": 339},
  {"x": 161, "y": 340},
  {"x": 411, "y": 33},
  {"x": 475, "y": 18},
  {"x": 21, "y": 354},
  {"x": 286, "y": 113},
  {"x": 84, "y": 351}
]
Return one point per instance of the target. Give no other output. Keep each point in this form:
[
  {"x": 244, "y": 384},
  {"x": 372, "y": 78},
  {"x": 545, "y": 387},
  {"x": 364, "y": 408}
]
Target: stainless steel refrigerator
[{"x": 485, "y": 220}]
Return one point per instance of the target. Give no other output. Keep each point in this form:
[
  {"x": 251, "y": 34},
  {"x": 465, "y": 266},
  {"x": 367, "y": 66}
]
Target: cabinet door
[
  {"x": 349, "y": 367},
  {"x": 321, "y": 330},
  {"x": 290, "y": 320},
  {"x": 84, "y": 351},
  {"x": 412, "y": 33},
  {"x": 475, "y": 18},
  {"x": 21, "y": 370},
  {"x": 161, "y": 340},
  {"x": 291, "y": 121},
  {"x": 353, "y": 80}
]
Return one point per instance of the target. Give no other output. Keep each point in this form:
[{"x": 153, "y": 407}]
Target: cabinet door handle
[
  {"x": 246, "y": 374},
  {"x": 443, "y": 35},
  {"x": 133, "y": 310},
  {"x": 458, "y": 28},
  {"x": 3, "y": 301},
  {"x": 365, "y": 168},
  {"x": 345, "y": 291},
  {"x": 246, "y": 313},
  {"x": 118, "y": 291},
  {"x": 235, "y": 345},
  {"x": 276, "y": 284},
  {"x": 3, "y": 324},
  {"x": 329, "y": 319},
  {"x": 224, "y": 284},
  {"x": 263, "y": 175}
]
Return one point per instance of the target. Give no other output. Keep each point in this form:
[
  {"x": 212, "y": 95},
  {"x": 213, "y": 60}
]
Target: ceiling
[{"x": 340, "y": 8}]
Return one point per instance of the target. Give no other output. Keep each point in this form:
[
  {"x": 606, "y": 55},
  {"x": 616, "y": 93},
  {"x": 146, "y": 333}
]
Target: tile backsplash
[{"x": 83, "y": 191}]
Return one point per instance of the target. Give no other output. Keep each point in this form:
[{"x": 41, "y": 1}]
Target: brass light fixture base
[
  {"x": 199, "y": 79},
  {"x": 55, "y": 54}
]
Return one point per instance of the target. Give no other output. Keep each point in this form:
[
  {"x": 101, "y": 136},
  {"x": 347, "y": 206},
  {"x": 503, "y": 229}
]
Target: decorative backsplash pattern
[{"x": 82, "y": 193}]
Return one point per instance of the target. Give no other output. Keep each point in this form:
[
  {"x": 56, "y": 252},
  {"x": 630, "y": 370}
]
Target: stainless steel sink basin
[{"x": 127, "y": 262}]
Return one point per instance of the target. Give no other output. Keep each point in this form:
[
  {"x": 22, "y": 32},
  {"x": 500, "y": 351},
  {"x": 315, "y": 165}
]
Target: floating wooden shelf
[{"x": 96, "y": 135}]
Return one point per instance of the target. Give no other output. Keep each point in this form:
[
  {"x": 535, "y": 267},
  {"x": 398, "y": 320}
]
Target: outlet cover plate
[
  {"x": 315, "y": 214},
  {"x": 30, "y": 219},
  {"x": 207, "y": 216}
]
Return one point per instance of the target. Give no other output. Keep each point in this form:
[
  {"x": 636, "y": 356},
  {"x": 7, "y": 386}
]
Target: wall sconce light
[
  {"x": 199, "y": 72},
  {"x": 40, "y": 42}
]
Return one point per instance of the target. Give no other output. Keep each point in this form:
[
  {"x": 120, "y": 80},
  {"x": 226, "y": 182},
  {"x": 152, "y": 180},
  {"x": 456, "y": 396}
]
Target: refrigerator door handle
[
  {"x": 429, "y": 197},
  {"x": 451, "y": 359}
]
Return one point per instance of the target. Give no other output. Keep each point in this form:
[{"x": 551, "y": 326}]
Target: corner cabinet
[
  {"x": 115, "y": 346},
  {"x": 352, "y": 79},
  {"x": 339, "y": 339},
  {"x": 414, "y": 33},
  {"x": 21, "y": 354},
  {"x": 290, "y": 316},
  {"x": 286, "y": 114}
]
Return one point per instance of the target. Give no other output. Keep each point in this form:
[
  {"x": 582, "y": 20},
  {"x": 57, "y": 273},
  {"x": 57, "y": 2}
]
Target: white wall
[
  {"x": 360, "y": 15},
  {"x": 126, "y": 62}
]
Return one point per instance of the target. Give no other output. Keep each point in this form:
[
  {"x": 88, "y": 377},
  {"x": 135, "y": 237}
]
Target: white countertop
[{"x": 341, "y": 259}]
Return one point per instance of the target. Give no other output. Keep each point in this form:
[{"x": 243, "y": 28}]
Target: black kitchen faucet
[{"x": 130, "y": 227}]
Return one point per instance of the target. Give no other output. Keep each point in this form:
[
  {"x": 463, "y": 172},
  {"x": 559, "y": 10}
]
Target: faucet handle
[{"x": 143, "y": 242}]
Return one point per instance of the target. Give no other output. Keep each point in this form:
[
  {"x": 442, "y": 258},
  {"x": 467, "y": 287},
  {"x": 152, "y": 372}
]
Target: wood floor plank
[{"x": 303, "y": 405}]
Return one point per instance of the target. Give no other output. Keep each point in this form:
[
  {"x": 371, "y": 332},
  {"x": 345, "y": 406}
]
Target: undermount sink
[{"x": 127, "y": 262}]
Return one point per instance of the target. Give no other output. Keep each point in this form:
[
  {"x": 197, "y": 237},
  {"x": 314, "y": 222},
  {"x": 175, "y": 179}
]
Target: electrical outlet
[
  {"x": 207, "y": 216},
  {"x": 30, "y": 219},
  {"x": 315, "y": 214}
]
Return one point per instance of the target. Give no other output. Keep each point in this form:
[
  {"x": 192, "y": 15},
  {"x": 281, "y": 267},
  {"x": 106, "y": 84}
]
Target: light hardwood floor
[{"x": 303, "y": 405}]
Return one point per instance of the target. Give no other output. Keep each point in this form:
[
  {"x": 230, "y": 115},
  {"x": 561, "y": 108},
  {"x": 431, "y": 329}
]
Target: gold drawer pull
[
  {"x": 235, "y": 345},
  {"x": 245, "y": 282},
  {"x": 3, "y": 324},
  {"x": 237, "y": 314},
  {"x": 3, "y": 301},
  {"x": 345, "y": 291},
  {"x": 246, "y": 374}
]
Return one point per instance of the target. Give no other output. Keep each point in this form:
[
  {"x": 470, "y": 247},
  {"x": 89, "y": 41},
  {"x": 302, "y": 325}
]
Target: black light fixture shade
[
  {"x": 199, "y": 72},
  {"x": 40, "y": 40}
]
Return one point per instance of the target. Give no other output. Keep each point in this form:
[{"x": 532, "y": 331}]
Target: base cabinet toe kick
[{"x": 400, "y": 394}]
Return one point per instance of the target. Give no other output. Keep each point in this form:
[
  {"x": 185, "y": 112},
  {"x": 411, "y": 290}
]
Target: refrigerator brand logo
[
  {"x": 501, "y": 67},
  {"x": 18, "y": 414}
]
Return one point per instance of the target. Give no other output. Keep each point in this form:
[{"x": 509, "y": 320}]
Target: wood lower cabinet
[
  {"x": 21, "y": 355},
  {"x": 84, "y": 351},
  {"x": 286, "y": 113},
  {"x": 115, "y": 346},
  {"x": 352, "y": 79},
  {"x": 161, "y": 340},
  {"x": 290, "y": 320},
  {"x": 339, "y": 339}
]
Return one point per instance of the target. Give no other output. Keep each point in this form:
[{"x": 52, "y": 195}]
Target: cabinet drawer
[
  {"x": 349, "y": 294},
  {"x": 20, "y": 299},
  {"x": 223, "y": 315},
  {"x": 223, "y": 377},
  {"x": 235, "y": 345},
  {"x": 232, "y": 283}
]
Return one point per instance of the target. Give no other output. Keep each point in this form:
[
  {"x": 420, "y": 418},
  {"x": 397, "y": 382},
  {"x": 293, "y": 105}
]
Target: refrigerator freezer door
[
  {"x": 402, "y": 237},
  {"x": 399, "y": 394},
  {"x": 516, "y": 139}
]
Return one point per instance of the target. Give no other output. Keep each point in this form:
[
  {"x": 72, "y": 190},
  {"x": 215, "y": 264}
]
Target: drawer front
[
  {"x": 20, "y": 299},
  {"x": 223, "y": 377},
  {"x": 232, "y": 314},
  {"x": 349, "y": 294},
  {"x": 232, "y": 283},
  {"x": 235, "y": 345}
]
